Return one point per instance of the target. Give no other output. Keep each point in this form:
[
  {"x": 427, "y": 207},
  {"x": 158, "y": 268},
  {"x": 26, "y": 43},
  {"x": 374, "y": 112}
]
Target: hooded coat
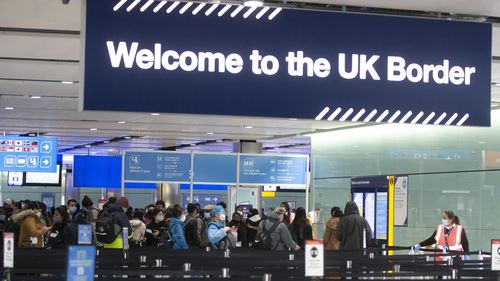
[
  {"x": 329, "y": 237},
  {"x": 121, "y": 221},
  {"x": 281, "y": 238},
  {"x": 350, "y": 229},
  {"x": 31, "y": 230}
]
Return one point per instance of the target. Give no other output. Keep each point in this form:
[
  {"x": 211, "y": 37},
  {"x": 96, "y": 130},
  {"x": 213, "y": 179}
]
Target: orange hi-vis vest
[{"x": 453, "y": 240}]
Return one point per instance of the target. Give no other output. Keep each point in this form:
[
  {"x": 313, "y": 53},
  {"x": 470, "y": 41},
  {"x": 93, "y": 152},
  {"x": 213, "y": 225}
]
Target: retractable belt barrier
[{"x": 247, "y": 264}]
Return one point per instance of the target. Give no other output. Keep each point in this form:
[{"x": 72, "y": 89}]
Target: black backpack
[
  {"x": 263, "y": 239},
  {"x": 105, "y": 229},
  {"x": 191, "y": 232},
  {"x": 83, "y": 216}
]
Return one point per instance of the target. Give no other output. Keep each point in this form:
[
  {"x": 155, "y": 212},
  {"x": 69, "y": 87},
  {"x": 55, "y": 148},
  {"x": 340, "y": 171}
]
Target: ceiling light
[
  {"x": 67, "y": 82},
  {"x": 87, "y": 145},
  {"x": 121, "y": 122},
  {"x": 210, "y": 133},
  {"x": 105, "y": 141},
  {"x": 35, "y": 97},
  {"x": 94, "y": 129},
  {"x": 155, "y": 114},
  {"x": 93, "y": 153},
  {"x": 481, "y": 142},
  {"x": 9, "y": 108},
  {"x": 219, "y": 141},
  {"x": 253, "y": 3},
  {"x": 293, "y": 119},
  {"x": 496, "y": 84},
  {"x": 192, "y": 144},
  {"x": 127, "y": 137},
  {"x": 247, "y": 127}
]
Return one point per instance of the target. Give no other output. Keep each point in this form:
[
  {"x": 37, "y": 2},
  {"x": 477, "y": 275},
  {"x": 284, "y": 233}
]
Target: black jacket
[
  {"x": 119, "y": 218},
  {"x": 61, "y": 236},
  {"x": 161, "y": 227},
  {"x": 242, "y": 232},
  {"x": 302, "y": 230},
  {"x": 350, "y": 229},
  {"x": 252, "y": 225}
]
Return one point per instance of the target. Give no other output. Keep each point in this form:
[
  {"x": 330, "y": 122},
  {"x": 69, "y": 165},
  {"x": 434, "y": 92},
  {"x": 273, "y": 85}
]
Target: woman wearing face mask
[
  {"x": 329, "y": 237},
  {"x": 252, "y": 224},
  {"x": 237, "y": 224},
  {"x": 448, "y": 236},
  {"x": 176, "y": 228},
  {"x": 31, "y": 230},
  {"x": 156, "y": 229},
  {"x": 62, "y": 233}
]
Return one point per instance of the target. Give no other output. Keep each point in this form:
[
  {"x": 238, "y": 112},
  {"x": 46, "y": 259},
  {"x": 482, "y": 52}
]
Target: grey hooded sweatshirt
[
  {"x": 350, "y": 229},
  {"x": 281, "y": 239}
]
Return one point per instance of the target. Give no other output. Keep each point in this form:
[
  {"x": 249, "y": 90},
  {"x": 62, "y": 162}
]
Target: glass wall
[{"x": 455, "y": 168}]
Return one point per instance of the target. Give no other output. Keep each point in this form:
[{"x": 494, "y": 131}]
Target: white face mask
[
  {"x": 159, "y": 218},
  {"x": 206, "y": 215},
  {"x": 38, "y": 214},
  {"x": 223, "y": 217},
  {"x": 240, "y": 212},
  {"x": 444, "y": 222},
  {"x": 182, "y": 218}
]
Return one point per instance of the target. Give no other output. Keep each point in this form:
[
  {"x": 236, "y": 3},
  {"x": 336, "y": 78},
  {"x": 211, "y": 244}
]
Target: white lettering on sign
[{"x": 352, "y": 66}]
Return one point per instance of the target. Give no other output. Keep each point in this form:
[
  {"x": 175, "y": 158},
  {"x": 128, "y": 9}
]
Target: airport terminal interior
[{"x": 249, "y": 139}]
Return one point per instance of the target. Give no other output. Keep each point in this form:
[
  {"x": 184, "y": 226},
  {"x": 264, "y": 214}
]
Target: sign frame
[{"x": 314, "y": 258}]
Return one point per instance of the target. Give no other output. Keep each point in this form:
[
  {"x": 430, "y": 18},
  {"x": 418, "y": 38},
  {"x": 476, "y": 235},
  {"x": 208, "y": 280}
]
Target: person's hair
[
  {"x": 300, "y": 215},
  {"x": 63, "y": 211},
  {"x": 129, "y": 212},
  {"x": 31, "y": 205},
  {"x": 336, "y": 212},
  {"x": 112, "y": 200},
  {"x": 450, "y": 215},
  {"x": 286, "y": 206},
  {"x": 191, "y": 208},
  {"x": 169, "y": 212},
  {"x": 239, "y": 208},
  {"x": 177, "y": 211},
  {"x": 198, "y": 206},
  {"x": 152, "y": 214},
  {"x": 160, "y": 202},
  {"x": 71, "y": 200},
  {"x": 456, "y": 220},
  {"x": 223, "y": 204},
  {"x": 138, "y": 214},
  {"x": 236, "y": 214},
  {"x": 252, "y": 212}
]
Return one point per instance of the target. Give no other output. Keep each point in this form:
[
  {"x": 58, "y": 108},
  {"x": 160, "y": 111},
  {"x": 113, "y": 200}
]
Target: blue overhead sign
[
  {"x": 28, "y": 154},
  {"x": 153, "y": 166},
  {"x": 215, "y": 168},
  {"x": 273, "y": 170},
  {"x": 293, "y": 63},
  {"x": 202, "y": 198}
]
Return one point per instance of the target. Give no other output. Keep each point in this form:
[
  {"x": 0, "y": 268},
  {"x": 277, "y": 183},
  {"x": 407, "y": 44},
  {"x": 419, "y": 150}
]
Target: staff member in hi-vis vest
[{"x": 449, "y": 236}]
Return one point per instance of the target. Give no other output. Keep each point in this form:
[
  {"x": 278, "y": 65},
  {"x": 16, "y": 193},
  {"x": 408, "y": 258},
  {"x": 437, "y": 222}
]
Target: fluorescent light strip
[
  {"x": 275, "y": 13},
  {"x": 382, "y": 116},
  {"x": 370, "y": 116},
  {"x": 406, "y": 117},
  {"x": 186, "y": 7},
  {"x": 119, "y": 5},
  {"x": 334, "y": 114},
  {"x": 172, "y": 7},
  {"x": 224, "y": 10},
  {"x": 453, "y": 117},
  {"x": 394, "y": 116},
  {"x": 322, "y": 113},
  {"x": 249, "y": 12},
  {"x": 198, "y": 8},
  {"x": 418, "y": 117},
  {"x": 159, "y": 6},
  {"x": 262, "y": 12},
  {"x": 237, "y": 11},
  {"x": 211, "y": 9},
  {"x": 132, "y": 6},
  {"x": 347, "y": 114},
  {"x": 462, "y": 121},
  {"x": 429, "y": 118},
  {"x": 146, "y": 6},
  {"x": 440, "y": 118},
  {"x": 360, "y": 113}
]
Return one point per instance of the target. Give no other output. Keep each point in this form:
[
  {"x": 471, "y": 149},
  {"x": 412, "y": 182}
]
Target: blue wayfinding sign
[
  {"x": 156, "y": 166},
  {"x": 81, "y": 263},
  {"x": 215, "y": 168},
  {"x": 202, "y": 198},
  {"x": 28, "y": 154},
  {"x": 273, "y": 170},
  {"x": 304, "y": 64},
  {"x": 85, "y": 234}
]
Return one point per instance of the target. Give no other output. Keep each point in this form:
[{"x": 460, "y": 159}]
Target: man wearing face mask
[
  {"x": 8, "y": 206},
  {"x": 216, "y": 230},
  {"x": 176, "y": 228},
  {"x": 193, "y": 226},
  {"x": 448, "y": 236},
  {"x": 72, "y": 207}
]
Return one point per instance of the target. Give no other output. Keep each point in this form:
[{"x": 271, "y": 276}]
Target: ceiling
[{"x": 40, "y": 48}]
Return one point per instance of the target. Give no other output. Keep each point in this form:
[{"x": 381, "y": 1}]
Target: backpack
[
  {"x": 11, "y": 226},
  {"x": 84, "y": 216},
  {"x": 263, "y": 239},
  {"x": 105, "y": 229},
  {"x": 191, "y": 231}
]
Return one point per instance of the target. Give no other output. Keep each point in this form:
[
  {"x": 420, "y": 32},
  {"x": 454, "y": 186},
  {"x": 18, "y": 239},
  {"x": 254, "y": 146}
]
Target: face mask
[
  {"x": 182, "y": 218},
  {"x": 57, "y": 219},
  {"x": 2, "y": 217},
  {"x": 24, "y": 206},
  {"x": 159, "y": 218},
  {"x": 38, "y": 214},
  {"x": 240, "y": 212},
  {"x": 223, "y": 217},
  {"x": 72, "y": 209},
  {"x": 206, "y": 215},
  {"x": 444, "y": 222}
]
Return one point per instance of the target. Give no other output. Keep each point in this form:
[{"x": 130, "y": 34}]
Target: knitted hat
[
  {"x": 87, "y": 202},
  {"x": 122, "y": 201}
]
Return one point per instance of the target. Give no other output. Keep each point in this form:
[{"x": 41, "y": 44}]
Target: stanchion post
[
  {"x": 348, "y": 272},
  {"x": 266, "y": 277}
]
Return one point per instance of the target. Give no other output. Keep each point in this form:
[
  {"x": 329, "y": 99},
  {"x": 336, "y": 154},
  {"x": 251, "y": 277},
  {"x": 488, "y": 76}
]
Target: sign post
[{"x": 315, "y": 259}]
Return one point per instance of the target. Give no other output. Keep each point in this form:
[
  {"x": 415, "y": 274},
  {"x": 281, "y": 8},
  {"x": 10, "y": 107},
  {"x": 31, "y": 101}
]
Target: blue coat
[
  {"x": 215, "y": 233},
  {"x": 177, "y": 230}
]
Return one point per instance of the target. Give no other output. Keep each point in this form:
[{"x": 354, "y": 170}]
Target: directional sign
[
  {"x": 81, "y": 263},
  {"x": 215, "y": 168},
  {"x": 273, "y": 170},
  {"x": 28, "y": 154},
  {"x": 202, "y": 198},
  {"x": 153, "y": 166}
]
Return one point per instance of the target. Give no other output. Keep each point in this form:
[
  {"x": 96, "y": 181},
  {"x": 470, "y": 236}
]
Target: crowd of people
[{"x": 157, "y": 225}]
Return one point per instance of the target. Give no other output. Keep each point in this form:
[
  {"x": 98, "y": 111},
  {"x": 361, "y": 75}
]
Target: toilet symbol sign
[{"x": 314, "y": 253}]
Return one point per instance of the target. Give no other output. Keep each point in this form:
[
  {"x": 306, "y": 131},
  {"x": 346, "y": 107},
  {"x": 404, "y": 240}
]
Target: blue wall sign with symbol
[
  {"x": 155, "y": 166},
  {"x": 28, "y": 154},
  {"x": 202, "y": 198},
  {"x": 273, "y": 170}
]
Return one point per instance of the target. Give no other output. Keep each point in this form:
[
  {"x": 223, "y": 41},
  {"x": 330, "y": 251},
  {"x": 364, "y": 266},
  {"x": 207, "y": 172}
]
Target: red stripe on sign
[{"x": 314, "y": 242}]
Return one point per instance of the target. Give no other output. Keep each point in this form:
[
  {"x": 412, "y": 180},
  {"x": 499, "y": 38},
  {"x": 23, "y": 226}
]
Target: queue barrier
[{"x": 247, "y": 264}]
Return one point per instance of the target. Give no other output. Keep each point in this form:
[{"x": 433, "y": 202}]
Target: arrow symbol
[
  {"x": 46, "y": 147},
  {"x": 46, "y": 162}
]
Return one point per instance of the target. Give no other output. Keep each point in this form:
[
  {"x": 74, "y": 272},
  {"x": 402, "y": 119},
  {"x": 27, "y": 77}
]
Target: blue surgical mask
[
  {"x": 2, "y": 217},
  {"x": 72, "y": 210}
]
